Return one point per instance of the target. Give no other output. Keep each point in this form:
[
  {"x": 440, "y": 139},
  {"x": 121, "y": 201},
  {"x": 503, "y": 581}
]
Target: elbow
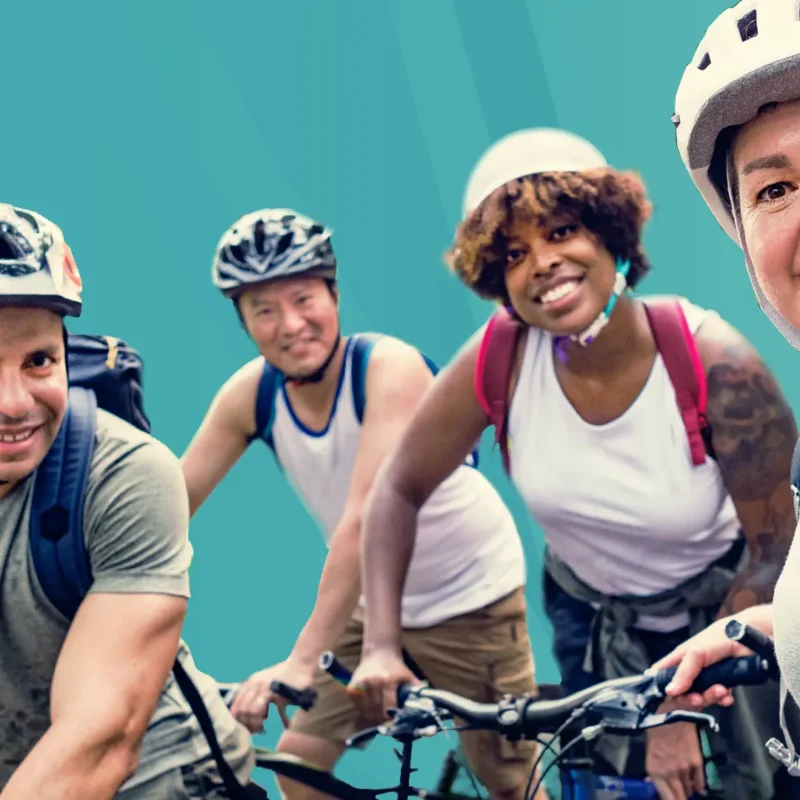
[
  {"x": 122, "y": 748},
  {"x": 399, "y": 488},
  {"x": 118, "y": 747}
]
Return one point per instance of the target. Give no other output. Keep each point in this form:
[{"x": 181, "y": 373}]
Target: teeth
[
  {"x": 562, "y": 290},
  {"x": 10, "y": 438}
]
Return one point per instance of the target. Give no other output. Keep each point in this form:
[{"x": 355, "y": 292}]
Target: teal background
[{"x": 144, "y": 129}]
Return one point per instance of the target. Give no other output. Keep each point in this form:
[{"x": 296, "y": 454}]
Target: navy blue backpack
[
  {"x": 103, "y": 373},
  {"x": 272, "y": 380}
]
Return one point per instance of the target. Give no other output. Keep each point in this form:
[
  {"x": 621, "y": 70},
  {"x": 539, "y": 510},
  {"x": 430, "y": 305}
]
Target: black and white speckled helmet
[
  {"x": 36, "y": 265},
  {"x": 269, "y": 244}
]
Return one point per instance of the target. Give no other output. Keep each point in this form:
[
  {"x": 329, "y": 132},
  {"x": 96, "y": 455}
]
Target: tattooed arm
[{"x": 753, "y": 436}]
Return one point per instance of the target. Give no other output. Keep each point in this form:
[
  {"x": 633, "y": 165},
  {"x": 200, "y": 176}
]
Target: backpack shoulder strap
[
  {"x": 678, "y": 349},
  {"x": 493, "y": 375},
  {"x": 234, "y": 789},
  {"x": 363, "y": 344},
  {"x": 268, "y": 387},
  {"x": 57, "y": 542}
]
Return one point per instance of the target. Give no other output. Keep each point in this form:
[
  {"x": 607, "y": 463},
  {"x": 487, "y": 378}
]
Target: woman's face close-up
[
  {"x": 558, "y": 277},
  {"x": 766, "y": 159}
]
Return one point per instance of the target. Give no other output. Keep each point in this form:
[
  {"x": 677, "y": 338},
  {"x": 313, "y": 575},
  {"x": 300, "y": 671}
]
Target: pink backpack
[{"x": 673, "y": 339}]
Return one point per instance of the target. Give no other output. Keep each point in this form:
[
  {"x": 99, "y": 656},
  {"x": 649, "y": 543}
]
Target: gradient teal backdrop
[{"x": 144, "y": 129}]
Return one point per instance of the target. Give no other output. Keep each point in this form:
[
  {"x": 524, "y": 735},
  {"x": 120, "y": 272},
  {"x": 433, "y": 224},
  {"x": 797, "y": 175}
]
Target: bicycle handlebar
[
  {"x": 303, "y": 698},
  {"x": 623, "y": 703}
]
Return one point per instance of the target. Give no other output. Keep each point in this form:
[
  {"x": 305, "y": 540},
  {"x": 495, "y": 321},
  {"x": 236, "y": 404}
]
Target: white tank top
[
  {"x": 468, "y": 552},
  {"x": 620, "y": 503}
]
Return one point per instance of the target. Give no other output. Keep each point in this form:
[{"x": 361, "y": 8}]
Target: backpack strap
[
  {"x": 57, "y": 543},
  {"x": 233, "y": 788},
  {"x": 678, "y": 349},
  {"x": 268, "y": 387},
  {"x": 493, "y": 375},
  {"x": 363, "y": 344},
  {"x": 59, "y": 553}
]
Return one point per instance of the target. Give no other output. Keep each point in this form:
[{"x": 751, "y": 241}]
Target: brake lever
[
  {"x": 679, "y": 715},
  {"x": 303, "y": 698},
  {"x": 363, "y": 738}
]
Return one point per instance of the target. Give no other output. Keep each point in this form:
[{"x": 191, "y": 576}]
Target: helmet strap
[
  {"x": 319, "y": 373},
  {"x": 586, "y": 337}
]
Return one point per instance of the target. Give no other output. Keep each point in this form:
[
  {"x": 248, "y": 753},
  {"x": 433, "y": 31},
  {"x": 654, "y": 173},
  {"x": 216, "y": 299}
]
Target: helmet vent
[
  {"x": 7, "y": 251},
  {"x": 748, "y": 25},
  {"x": 705, "y": 62}
]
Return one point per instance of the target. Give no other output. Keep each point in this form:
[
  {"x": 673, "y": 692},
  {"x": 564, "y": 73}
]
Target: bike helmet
[
  {"x": 530, "y": 152},
  {"x": 36, "y": 265},
  {"x": 749, "y": 57},
  {"x": 527, "y": 152},
  {"x": 269, "y": 244}
]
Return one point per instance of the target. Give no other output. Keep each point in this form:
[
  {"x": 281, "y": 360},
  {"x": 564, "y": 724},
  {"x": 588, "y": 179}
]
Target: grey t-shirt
[{"x": 136, "y": 525}]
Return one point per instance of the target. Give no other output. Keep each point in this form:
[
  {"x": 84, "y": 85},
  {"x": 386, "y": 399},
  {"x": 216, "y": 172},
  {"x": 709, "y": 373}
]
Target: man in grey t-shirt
[{"x": 89, "y": 705}]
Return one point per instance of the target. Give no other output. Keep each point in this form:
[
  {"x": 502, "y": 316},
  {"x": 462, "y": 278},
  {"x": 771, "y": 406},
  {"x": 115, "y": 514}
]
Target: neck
[
  {"x": 317, "y": 396},
  {"x": 624, "y": 339}
]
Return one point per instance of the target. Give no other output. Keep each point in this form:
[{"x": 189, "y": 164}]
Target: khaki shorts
[{"x": 481, "y": 655}]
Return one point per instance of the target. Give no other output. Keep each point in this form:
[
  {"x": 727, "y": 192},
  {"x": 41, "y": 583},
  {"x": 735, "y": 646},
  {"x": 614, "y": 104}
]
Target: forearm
[
  {"x": 73, "y": 762},
  {"x": 389, "y": 535},
  {"x": 758, "y": 617},
  {"x": 755, "y": 585},
  {"x": 337, "y": 597}
]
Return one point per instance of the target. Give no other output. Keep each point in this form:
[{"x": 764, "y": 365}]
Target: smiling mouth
[
  {"x": 558, "y": 292},
  {"x": 15, "y": 438}
]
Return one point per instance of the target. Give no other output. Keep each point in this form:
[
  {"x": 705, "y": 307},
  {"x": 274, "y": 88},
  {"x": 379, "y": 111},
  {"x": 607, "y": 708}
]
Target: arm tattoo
[{"x": 754, "y": 435}]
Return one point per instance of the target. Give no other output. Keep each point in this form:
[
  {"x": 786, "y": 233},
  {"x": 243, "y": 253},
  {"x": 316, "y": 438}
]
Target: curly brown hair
[{"x": 611, "y": 204}]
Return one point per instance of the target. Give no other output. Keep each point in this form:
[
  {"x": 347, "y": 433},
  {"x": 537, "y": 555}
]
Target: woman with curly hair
[{"x": 648, "y": 440}]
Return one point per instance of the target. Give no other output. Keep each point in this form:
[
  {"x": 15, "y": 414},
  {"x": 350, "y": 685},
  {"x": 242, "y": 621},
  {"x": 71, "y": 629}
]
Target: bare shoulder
[
  {"x": 754, "y": 430},
  {"x": 718, "y": 343},
  {"x": 398, "y": 357},
  {"x": 234, "y": 403}
]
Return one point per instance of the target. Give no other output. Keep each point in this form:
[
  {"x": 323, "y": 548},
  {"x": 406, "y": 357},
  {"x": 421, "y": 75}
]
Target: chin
[
  {"x": 15, "y": 471},
  {"x": 569, "y": 324},
  {"x": 789, "y": 308}
]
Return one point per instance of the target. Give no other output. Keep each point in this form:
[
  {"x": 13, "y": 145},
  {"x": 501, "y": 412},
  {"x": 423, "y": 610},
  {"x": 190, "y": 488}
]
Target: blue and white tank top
[{"x": 468, "y": 551}]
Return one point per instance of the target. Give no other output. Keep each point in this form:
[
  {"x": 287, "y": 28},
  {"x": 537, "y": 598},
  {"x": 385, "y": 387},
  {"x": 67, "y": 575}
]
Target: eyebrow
[
  {"x": 51, "y": 350},
  {"x": 777, "y": 161}
]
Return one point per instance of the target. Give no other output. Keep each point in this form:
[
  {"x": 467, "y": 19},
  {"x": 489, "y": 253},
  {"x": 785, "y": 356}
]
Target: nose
[
  {"x": 16, "y": 401},
  {"x": 292, "y": 321},
  {"x": 546, "y": 259}
]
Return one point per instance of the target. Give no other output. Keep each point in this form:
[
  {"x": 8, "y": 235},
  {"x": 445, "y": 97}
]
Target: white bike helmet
[
  {"x": 36, "y": 265},
  {"x": 268, "y": 244},
  {"x": 749, "y": 56},
  {"x": 530, "y": 152}
]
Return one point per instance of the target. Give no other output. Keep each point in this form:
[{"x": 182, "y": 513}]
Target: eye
[
  {"x": 775, "y": 192},
  {"x": 562, "y": 232},
  {"x": 514, "y": 255},
  {"x": 40, "y": 361}
]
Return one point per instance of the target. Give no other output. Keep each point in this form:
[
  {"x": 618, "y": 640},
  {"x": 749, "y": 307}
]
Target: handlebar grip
[
  {"x": 338, "y": 671},
  {"x": 303, "y": 698},
  {"x": 744, "y": 671},
  {"x": 754, "y": 640}
]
